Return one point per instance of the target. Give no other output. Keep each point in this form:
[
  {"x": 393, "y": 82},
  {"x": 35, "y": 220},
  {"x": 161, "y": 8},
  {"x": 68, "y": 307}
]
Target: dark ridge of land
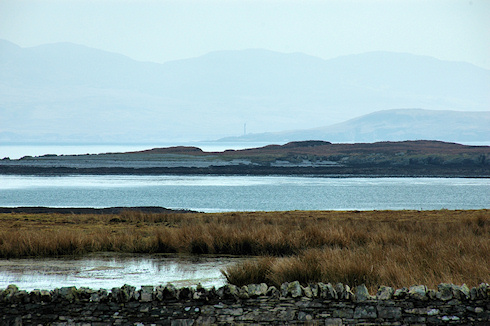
[
  {"x": 89, "y": 210},
  {"x": 360, "y": 171},
  {"x": 382, "y": 159},
  {"x": 319, "y": 147}
]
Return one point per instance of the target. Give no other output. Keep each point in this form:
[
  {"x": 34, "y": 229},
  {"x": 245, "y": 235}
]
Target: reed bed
[{"x": 395, "y": 248}]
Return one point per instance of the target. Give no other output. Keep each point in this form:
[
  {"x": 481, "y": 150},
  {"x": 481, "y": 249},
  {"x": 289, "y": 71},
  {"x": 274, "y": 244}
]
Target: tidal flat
[{"x": 392, "y": 248}]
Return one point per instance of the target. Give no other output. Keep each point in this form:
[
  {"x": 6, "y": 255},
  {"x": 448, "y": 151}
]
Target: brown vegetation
[
  {"x": 395, "y": 248},
  {"x": 387, "y": 159},
  {"x": 398, "y": 154},
  {"x": 321, "y": 148}
]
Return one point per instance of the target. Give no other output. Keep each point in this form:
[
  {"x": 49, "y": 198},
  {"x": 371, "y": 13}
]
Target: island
[{"x": 420, "y": 158}]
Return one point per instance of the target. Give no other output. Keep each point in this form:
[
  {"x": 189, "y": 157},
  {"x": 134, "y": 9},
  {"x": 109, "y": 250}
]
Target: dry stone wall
[{"x": 258, "y": 304}]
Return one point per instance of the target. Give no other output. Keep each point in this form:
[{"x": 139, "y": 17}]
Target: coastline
[
  {"x": 316, "y": 158},
  {"x": 253, "y": 170},
  {"x": 90, "y": 210}
]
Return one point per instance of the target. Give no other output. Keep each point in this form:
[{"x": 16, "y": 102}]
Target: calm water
[
  {"x": 108, "y": 270},
  {"x": 246, "y": 193}
]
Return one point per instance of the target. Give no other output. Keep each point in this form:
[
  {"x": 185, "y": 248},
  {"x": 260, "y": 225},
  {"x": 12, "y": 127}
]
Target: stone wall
[{"x": 316, "y": 304}]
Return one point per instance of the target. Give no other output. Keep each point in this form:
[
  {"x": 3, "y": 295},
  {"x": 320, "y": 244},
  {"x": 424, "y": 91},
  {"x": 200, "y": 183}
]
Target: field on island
[{"x": 393, "y": 248}]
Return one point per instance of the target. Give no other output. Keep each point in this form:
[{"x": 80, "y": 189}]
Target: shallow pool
[{"x": 108, "y": 270}]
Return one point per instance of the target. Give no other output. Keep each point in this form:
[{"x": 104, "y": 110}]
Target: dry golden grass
[
  {"x": 395, "y": 248},
  {"x": 428, "y": 248}
]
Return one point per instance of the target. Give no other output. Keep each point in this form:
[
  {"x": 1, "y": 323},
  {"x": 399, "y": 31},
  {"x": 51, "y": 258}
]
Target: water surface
[
  {"x": 108, "y": 270},
  {"x": 245, "y": 193}
]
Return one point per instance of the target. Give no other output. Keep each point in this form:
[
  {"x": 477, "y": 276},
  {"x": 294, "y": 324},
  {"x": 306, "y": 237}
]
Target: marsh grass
[
  {"x": 395, "y": 248},
  {"x": 426, "y": 249}
]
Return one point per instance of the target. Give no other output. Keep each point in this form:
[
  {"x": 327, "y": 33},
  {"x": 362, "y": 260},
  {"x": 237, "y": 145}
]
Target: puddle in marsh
[{"x": 108, "y": 270}]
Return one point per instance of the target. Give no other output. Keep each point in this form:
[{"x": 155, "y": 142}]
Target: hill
[
  {"x": 70, "y": 93},
  {"x": 381, "y": 159},
  {"x": 392, "y": 125}
]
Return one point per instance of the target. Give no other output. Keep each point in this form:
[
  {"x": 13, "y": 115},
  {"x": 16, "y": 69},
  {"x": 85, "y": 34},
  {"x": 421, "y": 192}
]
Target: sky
[{"x": 165, "y": 30}]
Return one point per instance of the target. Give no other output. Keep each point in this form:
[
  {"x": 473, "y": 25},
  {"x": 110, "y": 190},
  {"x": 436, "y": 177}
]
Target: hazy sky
[{"x": 163, "y": 30}]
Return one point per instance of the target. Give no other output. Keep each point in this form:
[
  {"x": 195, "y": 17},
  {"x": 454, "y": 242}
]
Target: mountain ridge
[
  {"x": 75, "y": 93},
  {"x": 392, "y": 125}
]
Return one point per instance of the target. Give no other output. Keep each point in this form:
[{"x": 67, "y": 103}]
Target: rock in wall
[{"x": 258, "y": 304}]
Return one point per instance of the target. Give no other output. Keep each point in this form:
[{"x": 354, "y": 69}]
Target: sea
[
  {"x": 231, "y": 193},
  {"x": 245, "y": 193}
]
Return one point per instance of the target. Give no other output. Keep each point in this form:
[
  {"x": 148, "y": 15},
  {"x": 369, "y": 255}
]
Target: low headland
[
  {"x": 389, "y": 248},
  {"x": 382, "y": 159}
]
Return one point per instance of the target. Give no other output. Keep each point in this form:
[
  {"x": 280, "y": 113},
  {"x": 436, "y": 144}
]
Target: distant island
[
  {"x": 420, "y": 158},
  {"x": 390, "y": 125}
]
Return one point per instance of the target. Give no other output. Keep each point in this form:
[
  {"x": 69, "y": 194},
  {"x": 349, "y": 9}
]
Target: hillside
[
  {"x": 392, "y": 125},
  {"x": 70, "y": 93},
  {"x": 408, "y": 158}
]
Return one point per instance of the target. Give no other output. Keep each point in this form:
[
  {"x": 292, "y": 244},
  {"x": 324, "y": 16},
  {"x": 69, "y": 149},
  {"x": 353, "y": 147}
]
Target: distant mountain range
[
  {"x": 70, "y": 93},
  {"x": 391, "y": 125}
]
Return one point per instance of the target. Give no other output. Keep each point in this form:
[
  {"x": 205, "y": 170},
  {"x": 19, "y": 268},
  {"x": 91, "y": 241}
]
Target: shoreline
[
  {"x": 90, "y": 210},
  {"x": 162, "y": 210},
  {"x": 318, "y": 158},
  {"x": 244, "y": 170}
]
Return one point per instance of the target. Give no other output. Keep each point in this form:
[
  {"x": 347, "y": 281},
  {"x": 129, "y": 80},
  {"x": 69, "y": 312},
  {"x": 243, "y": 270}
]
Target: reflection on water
[{"x": 108, "y": 270}]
